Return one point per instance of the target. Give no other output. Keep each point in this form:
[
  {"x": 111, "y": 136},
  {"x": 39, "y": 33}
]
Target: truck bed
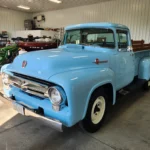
[{"x": 140, "y": 45}]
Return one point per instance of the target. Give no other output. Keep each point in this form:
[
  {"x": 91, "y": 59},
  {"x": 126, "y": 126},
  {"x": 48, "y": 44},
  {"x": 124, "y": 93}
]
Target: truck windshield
[{"x": 94, "y": 36}]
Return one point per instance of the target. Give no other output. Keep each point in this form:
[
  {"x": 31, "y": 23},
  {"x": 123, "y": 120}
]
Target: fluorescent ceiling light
[
  {"x": 56, "y": 1},
  {"x": 23, "y": 7}
]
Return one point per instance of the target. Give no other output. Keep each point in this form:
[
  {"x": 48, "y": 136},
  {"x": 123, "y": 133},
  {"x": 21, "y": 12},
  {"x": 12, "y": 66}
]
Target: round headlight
[{"x": 55, "y": 96}]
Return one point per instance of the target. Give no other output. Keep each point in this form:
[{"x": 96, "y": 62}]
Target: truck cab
[
  {"x": 79, "y": 81},
  {"x": 113, "y": 37}
]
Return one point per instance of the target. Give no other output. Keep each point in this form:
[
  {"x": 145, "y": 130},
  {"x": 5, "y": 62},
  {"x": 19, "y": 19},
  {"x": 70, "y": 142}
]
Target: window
[
  {"x": 91, "y": 36},
  {"x": 122, "y": 38},
  {"x": 100, "y": 38},
  {"x": 73, "y": 37}
]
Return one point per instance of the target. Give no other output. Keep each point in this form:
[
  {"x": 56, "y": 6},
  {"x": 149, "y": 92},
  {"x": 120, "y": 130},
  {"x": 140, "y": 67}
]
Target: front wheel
[{"x": 96, "y": 112}]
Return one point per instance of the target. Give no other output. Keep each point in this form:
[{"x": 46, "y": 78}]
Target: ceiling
[{"x": 45, "y": 5}]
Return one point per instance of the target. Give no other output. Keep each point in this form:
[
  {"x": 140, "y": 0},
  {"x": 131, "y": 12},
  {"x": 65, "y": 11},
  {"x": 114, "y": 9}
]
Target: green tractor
[{"x": 8, "y": 53}]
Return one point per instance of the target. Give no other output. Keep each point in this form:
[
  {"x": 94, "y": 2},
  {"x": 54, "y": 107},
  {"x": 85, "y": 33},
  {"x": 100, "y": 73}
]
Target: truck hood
[{"x": 46, "y": 63}]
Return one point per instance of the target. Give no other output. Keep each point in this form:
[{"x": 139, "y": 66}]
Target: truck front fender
[
  {"x": 79, "y": 86},
  {"x": 144, "y": 69}
]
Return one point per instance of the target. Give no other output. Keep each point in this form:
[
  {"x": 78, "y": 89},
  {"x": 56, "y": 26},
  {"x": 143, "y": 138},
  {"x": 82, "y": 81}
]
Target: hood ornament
[{"x": 24, "y": 64}]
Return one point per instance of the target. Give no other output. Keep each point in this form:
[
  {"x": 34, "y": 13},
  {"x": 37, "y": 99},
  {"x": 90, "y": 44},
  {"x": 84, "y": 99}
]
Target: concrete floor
[{"x": 127, "y": 128}]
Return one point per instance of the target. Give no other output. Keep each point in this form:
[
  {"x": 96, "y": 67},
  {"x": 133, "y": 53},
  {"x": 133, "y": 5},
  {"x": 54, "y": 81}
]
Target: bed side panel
[{"x": 139, "y": 56}]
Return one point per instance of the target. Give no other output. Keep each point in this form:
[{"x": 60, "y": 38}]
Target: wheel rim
[{"x": 98, "y": 110}]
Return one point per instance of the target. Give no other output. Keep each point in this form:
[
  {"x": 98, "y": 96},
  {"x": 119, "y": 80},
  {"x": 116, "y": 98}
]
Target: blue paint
[
  {"x": 72, "y": 69},
  {"x": 96, "y": 25},
  {"x": 144, "y": 68}
]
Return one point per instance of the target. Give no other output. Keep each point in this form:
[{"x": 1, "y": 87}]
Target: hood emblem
[{"x": 24, "y": 64}]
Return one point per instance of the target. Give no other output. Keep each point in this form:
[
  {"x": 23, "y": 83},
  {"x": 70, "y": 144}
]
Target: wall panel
[
  {"x": 11, "y": 20},
  {"x": 133, "y": 13}
]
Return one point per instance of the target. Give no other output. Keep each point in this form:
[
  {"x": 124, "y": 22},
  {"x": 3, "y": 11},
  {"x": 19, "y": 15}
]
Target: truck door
[{"x": 125, "y": 69}]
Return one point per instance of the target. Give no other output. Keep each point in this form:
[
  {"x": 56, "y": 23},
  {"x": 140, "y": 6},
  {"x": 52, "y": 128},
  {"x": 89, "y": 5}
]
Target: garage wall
[
  {"x": 133, "y": 13},
  {"x": 11, "y": 20}
]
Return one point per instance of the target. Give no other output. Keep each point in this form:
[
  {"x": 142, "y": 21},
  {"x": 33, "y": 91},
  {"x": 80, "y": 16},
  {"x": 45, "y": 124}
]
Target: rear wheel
[{"x": 96, "y": 112}]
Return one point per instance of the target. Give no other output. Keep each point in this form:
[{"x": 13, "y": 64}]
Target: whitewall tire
[{"x": 96, "y": 111}]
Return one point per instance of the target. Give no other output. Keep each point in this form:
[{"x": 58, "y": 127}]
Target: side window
[{"x": 122, "y": 39}]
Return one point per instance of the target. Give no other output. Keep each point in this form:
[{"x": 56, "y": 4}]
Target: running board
[
  {"x": 135, "y": 85},
  {"x": 123, "y": 92}
]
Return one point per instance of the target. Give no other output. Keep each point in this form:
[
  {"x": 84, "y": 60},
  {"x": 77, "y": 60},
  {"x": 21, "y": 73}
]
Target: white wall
[
  {"x": 133, "y": 13},
  {"x": 11, "y": 20}
]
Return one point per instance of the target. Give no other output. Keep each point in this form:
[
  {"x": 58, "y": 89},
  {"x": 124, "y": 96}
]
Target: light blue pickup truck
[{"x": 79, "y": 81}]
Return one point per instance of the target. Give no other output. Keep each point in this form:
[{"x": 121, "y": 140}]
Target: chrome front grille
[
  {"x": 29, "y": 78},
  {"x": 29, "y": 87}
]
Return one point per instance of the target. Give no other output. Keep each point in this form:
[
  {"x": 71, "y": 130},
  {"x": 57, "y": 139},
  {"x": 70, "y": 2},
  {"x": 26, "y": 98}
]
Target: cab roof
[{"x": 96, "y": 25}]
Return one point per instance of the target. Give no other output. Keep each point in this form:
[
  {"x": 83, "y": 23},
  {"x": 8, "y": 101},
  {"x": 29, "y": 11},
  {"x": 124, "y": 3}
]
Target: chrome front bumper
[{"x": 50, "y": 122}]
